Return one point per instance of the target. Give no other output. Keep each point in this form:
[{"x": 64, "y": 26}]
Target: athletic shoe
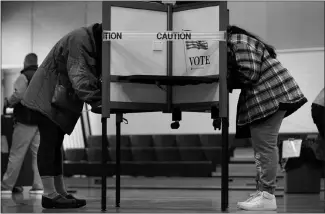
[
  {"x": 262, "y": 201},
  {"x": 34, "y": 190},
  {"x": 59, "y": 202}
]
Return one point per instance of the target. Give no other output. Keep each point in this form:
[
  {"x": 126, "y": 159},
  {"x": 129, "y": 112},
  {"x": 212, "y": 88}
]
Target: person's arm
[
  {"x": 248, "y": 61},
  {"x": 20, "y": 87},
  {"x": 82, "y": 74}
]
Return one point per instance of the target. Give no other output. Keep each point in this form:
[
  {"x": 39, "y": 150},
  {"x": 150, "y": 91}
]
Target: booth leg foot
[
  {"x": 225, "y": 169},
  {"x": 104, "y": 161},
  {"x": 119, "y": 120}
]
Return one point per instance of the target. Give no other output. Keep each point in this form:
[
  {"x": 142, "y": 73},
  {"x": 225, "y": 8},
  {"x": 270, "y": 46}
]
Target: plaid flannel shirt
[{"x": 268, "y": 86}]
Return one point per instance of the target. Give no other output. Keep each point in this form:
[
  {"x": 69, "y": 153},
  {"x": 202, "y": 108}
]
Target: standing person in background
[
  {"x": 68, "y": 77},
  {"x": 268, "y": 94},
  {"x": 25, "y": 134}
]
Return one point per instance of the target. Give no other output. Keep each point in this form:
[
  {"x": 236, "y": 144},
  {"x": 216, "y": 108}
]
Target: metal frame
[
  {"x": 224, "y": 108},
  {"x": 195, "y": 5},
  {"x": 119, "y": 108}
]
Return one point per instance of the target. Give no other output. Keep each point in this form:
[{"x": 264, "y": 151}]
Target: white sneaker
[
  {"x": 261, "y": 201},
  {"x": 36, "y": 191},
  {"x": 251, "y": 196}
]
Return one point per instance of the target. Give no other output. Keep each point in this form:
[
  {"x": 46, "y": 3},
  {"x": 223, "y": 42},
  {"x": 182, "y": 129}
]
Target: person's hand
[{"x": 96, "y": 107}]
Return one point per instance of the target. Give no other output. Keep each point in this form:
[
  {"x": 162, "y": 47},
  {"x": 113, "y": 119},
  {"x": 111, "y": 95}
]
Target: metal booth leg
[
  {"x": 119, "y": 120},
  {"x": 224, "y": 163},
  {"x": 104, "y": 162}
]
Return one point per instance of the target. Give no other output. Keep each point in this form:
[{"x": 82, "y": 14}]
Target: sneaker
[
  {"x": 262, "y": 201},
  {"x": 59, "y": 202},
  {"x": 251, "y": 196},
  {"x": 34, "y": 190},
  {"x": 5, "y": 190}
]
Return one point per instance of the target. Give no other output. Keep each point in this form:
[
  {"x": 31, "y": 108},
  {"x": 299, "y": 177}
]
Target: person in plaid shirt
[{"x": 268, "y": 94}]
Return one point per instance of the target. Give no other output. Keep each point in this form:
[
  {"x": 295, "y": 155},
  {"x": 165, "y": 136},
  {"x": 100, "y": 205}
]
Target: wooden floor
[
  {"x": 169, "y": 195},
  {"x": 161, "y": 201}
]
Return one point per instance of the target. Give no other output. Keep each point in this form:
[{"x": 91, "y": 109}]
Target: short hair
[{"x": 31, "y": 59}]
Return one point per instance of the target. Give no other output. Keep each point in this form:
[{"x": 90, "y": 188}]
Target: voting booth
[{"x": 164, "y": 58}]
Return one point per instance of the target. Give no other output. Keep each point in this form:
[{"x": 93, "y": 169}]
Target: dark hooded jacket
[{"x": 74, "y": 62}]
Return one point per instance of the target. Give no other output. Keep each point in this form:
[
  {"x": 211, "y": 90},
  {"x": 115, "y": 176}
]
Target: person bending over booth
[
  {"x": 269, "y": 93},
  {"x": 68, "y": 77},
  {"x": 318, "y": 115}
]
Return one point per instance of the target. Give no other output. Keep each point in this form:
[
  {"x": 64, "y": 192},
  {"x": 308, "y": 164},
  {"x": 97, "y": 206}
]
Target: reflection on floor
[{"x": 161, "y": 201}]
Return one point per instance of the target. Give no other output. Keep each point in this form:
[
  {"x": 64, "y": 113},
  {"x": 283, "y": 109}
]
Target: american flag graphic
[{"x": 196, "y": 44}]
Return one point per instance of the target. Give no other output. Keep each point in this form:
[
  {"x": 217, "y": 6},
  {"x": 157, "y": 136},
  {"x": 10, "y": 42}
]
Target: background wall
[
  {"x": 36, "y": 27},
  {"x": 286, "y": 25}
]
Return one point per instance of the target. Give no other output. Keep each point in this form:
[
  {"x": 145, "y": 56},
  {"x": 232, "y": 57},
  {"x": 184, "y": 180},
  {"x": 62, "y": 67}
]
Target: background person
[{"x": 25, "y": 134}]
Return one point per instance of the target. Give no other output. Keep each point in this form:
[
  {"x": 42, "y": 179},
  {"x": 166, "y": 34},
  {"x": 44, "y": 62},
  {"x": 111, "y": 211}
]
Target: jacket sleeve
[
  {"x": 81, "y": 67},
  {"x": 248, "y": 61},
  {"x": 20, "y": 87}
]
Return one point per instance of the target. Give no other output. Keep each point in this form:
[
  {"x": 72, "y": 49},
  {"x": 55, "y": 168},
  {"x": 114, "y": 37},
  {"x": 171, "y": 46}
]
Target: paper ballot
[
  {"x": 201, "y": 57},
  {"x": 291, "y": 148}
]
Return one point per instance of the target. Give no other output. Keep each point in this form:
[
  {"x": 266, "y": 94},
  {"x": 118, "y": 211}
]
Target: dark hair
[
  {"x": 232, "y": 29},
  {"x": 31, "y": 59}
]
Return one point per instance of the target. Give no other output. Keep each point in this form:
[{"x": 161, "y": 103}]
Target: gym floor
[
  {"x": 161, "y": 201},
  {"x": 169, "y": 195}
]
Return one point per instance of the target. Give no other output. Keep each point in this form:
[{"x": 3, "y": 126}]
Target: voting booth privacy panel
[
  {"x": 195, "y": 66},
  {"x": 147, "y": 71}
]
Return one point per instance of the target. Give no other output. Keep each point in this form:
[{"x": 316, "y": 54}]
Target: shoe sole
[
  {"x": 256, "y": 209},
  {"x": 64, "y": 207},
  {"x": 80, "y": 205},
  {"x": 36, "y": 192},
  {"x": 6, "y": 192},
  {"x": 61, "y": 207}
]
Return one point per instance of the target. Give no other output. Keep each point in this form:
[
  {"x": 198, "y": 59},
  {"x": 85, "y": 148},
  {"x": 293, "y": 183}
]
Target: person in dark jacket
[
  {"x": 318, "y": 115},
  {"x": 318, "y": 112},
  {"x": 68, "y": 77},
  {"x": 269, "y": 93},
  {"x": 25, "y": 134}
]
